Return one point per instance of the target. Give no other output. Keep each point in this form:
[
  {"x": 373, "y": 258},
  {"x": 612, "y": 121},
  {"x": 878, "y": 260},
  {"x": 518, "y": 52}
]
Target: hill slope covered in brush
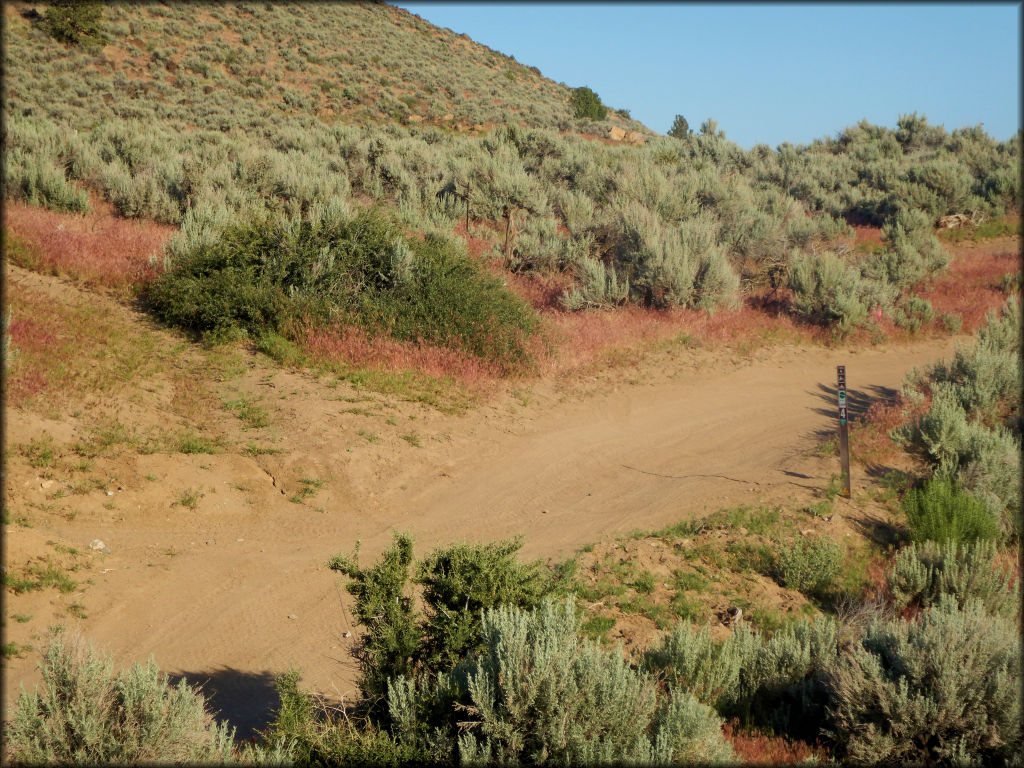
[{"x": 261, "y": 119}]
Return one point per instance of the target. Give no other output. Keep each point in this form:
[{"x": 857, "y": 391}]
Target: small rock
[
  {"x": 806, "y": 532},
  {"x": 292, "y": 616},
  {"x": 209, "y": 541},
  {"x": 239, "y": 539},
  {"x": 543, "y": 511},
  {"x": 46, "y": 484},
  {"x": 96, "y": 544},
  {"x": 109, "y": 493},
  {"x": 346, "y": 634}
]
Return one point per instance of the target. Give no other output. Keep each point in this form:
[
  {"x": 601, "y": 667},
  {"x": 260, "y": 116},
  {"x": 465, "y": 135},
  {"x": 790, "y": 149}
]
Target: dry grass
[
  {"x": 63, "y": 353},
  {"x": 354, "y": 347},
  {"x": 971, "y": 285},
  {"x": 99, "y": 249}
]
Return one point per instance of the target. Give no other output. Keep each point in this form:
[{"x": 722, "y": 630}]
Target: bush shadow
[{"x": 245, "y": 700}]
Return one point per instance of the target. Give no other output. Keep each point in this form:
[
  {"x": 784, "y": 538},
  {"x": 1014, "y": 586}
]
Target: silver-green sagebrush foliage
[
  {"x": 940, "y": 689},
  {"x": 538, "y": 693},
  {"x": 970, "y": 432},
  {"x": 924, "y": 574},
  {"x": 773, "y": 681},
  {"x": 88, "y": 714}
]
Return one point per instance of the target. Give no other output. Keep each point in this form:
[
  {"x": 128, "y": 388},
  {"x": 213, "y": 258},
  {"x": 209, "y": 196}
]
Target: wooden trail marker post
[{"x": 844, "y": 431}]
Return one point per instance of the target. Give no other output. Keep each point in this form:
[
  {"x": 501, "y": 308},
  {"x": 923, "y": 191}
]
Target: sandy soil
[{"x": 236, "y": 590}]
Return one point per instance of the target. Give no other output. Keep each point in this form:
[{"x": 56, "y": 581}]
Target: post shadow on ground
[
  {"x": 857, "y": 400},
  {"x": 245, "y": 700}
]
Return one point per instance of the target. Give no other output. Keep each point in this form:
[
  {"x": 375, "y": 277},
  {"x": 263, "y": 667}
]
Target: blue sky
[{"x": 767, "y": 73}]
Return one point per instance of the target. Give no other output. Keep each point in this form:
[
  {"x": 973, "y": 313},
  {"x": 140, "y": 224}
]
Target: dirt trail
[{"x": 236, "y": 589}]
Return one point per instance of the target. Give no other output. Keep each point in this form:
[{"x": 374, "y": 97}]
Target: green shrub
[
  {"x": 310, "y": 732},
  {"x": 463, "y": 580},
  {"x": 385, "y": 610},
  {"x": 941, "y": 689},
  {"x": 922, "y": 575},
  {"x": 773, "y": 682},
  {"x": 87, "y": 714},
  {"x": 75, "y": 22},
  {"x": 587, "y": 104},
  {"x": 828, "y": 291},
  {"x": 680, "y": 128},
  {"x": 809, "y": 565},
  {"x": 940, "y": 511},
  {"x": 538, "y": 693},
  {"x": 265, "y": 276}
]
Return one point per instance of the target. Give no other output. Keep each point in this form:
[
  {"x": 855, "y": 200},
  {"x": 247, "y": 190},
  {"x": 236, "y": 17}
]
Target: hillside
[{"x": 229, "y": 65}]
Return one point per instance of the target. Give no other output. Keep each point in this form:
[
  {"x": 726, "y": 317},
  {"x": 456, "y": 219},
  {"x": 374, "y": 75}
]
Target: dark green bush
[
  {"x": 314, "y": 733},
  {"x": 269, "y": 277},
  {"x": 385, "y": 609},
  {"x": 460, "y": 582},
  {"x": 587, "y": 104},
  {"x": 680, "y": 128},
  {"x": 940, "y": 511},
  {"x": 75, "y": 22}
]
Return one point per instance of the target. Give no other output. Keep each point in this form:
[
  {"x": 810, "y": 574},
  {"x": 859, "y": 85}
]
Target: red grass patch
[
  {"x": 98, "y": 249},
  {"x": 869, "y": 436},
  {"x": 353, "y": 346},
  {"x": 756, "y": 749},
  {"x": 583, "y": 338},
  {"x": 864, "y": 234},
  {"x": 971, "y": 284}
]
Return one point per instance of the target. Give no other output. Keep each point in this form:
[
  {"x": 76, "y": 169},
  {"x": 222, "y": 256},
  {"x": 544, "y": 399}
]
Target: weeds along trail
[{"x": 218, "y": 558}]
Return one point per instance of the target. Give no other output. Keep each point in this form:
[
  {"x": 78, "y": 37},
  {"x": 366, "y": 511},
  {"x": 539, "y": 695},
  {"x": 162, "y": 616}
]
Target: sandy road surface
[{"x": 236, "y": 590}]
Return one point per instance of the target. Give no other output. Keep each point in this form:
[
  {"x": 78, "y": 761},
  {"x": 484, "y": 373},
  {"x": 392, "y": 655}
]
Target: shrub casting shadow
[{"x": 245, "y": 700}]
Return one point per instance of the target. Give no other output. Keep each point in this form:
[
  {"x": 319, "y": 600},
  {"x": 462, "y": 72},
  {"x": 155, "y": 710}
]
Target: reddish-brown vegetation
[
  {"x": 353, "y": 346},
  {"x": 99, "y": 249},
  {"x": 756, "y": 749},
  {"x": 971, "y": 285}
]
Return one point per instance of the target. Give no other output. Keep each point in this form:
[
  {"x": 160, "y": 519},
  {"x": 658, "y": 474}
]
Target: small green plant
[
  {"x": 252, "y": 449},
  {"x": 77, "y": 610},
  {"x": 598, "y": 627},
  {"x": 809, "y": 565},
  {"x": 13, "y": 650},
  {"x": 252, "y": 415},
  {"x": 683, "y": 580},
  {"x": 309, "y": 488},
  {"x": 370, "y": 437},
  {"x": 834, "y": 488},
  {"x": 412, "y": 439},
  {"x": 190, "y": 498},
  {"x": 40, "y": 453},
  {"x": 940, "y": 511},
  {"x": 644, "y": 583},
  {"x": 191, "y": 443},
  {"x": 21, "y": 618}
]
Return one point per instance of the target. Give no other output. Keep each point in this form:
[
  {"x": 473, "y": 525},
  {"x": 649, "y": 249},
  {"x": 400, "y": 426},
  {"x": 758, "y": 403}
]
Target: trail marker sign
[{"x": 844, "y": 430}]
